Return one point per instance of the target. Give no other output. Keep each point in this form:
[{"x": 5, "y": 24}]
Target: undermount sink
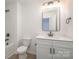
[
  {"x": 46, "y": 37},
  {"x": 61, "y": 38}
]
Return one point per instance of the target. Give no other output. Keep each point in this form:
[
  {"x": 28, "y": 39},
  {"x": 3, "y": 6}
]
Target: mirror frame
[{"x": 57, "y": 21}]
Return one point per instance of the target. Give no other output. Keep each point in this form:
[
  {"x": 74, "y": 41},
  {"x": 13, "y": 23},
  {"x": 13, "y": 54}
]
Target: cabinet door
[
  {"x": 62, "y": 53},
  {"x": 44, "y": 51}
]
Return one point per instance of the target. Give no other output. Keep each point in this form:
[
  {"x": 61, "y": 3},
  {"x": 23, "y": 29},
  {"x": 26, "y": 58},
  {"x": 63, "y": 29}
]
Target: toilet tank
[{"x": 26, "y": 41}]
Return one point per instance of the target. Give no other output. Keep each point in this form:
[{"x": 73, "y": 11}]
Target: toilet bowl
[
  {"x": 23, "y": 49},
  {"x": 22, "y": 52}
]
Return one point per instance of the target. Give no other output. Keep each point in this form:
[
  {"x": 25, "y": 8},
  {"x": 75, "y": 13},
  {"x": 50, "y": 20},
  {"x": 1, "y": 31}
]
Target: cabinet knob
[
  {"x": 50, "y": 50},
  {"x": 8, "y": 35},
  {"x": 53, "y": 50}
]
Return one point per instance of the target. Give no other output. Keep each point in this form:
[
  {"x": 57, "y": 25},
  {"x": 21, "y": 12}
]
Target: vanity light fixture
[{"x": 50, "y": 4}]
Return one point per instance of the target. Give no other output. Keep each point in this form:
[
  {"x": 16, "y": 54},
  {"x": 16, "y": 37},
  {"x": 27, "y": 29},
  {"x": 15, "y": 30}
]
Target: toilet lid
[{"x": 21, "y": 49}]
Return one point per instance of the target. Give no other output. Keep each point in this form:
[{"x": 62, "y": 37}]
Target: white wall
[
  {"x": 67, "y": 11},
  {"x": 32, "y": 21},
  {"x": 19, "y": 20}
]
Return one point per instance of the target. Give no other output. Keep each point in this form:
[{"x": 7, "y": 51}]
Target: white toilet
[{"x": 22, "y": 49}]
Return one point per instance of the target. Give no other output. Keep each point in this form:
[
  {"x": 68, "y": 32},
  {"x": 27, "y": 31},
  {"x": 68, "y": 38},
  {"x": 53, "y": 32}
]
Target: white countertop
[{"x": 61, "y": 38}]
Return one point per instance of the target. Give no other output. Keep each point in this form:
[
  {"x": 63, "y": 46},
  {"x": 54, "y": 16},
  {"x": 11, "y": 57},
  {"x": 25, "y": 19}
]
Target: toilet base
[{"x": 23, "y": 56}]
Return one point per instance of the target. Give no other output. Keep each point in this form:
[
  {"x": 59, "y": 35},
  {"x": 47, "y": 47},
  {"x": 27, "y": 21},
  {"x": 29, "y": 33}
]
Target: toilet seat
[{"x": 22, "y": 49}]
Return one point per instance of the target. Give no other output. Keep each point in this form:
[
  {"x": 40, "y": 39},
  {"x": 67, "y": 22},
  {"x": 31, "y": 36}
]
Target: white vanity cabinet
[
  {"x": 51, "y": 49},
  {"x": 63, "y": 50},
  {"x": 44, "y": 49},
  {"x": 44, "y": 52}
]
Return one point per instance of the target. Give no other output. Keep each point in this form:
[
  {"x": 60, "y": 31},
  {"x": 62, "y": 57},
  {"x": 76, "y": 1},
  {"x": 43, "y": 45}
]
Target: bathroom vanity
[{"x": 54, "y": 48}]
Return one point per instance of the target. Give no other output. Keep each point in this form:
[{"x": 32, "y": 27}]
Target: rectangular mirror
[{"x": 50, "y": 19}]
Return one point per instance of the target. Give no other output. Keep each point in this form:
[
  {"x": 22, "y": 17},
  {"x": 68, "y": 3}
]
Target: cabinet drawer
[
  {"x": 66, "y": 44},
  {"x": 44, "y": 41}
]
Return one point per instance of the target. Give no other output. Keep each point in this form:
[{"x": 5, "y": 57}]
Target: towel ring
[{"x": 68, "y": 20}]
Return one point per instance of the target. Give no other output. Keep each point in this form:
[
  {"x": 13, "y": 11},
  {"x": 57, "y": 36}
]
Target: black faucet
[{"x": 50, "y": 34}]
